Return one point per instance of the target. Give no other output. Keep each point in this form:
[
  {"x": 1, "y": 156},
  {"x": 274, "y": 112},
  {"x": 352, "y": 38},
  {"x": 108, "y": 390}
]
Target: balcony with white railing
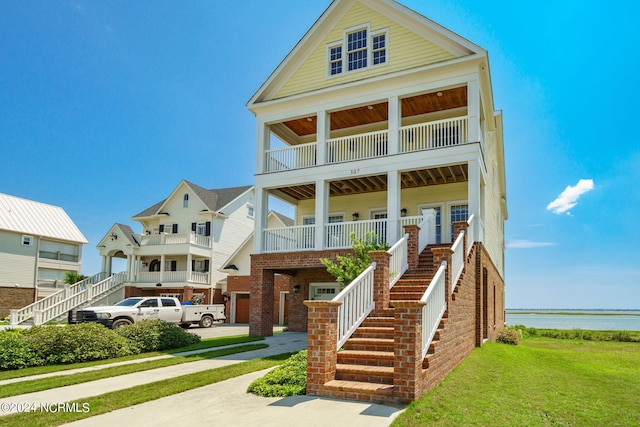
[
  {"x": 417, "y": 137},
  {"x": 172, "y": 277},
  {"x": 174, "y": 239}
]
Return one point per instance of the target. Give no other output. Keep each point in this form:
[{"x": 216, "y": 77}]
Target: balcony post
[
  {"x": 473, "y": 108},
  {"x": 474, "y": 188},
  {"x": 260, "y": 212},
  {"x": 393, "y": 206},
  {"x": 395, "y": 115},
  {"x": 189, "y": 269},
  {"x": 322, "y": 212},
  {"x": 322, "y": 134},
  {"x": 263, "y": 146},
  {"x": 162, "y": 262}
]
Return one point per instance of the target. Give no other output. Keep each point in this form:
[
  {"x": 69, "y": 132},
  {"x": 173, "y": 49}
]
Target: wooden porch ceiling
[
  {"x": 367, "y": 114},
  {"x": 369, "y": 184}
]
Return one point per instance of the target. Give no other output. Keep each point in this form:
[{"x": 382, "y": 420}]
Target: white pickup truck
[{"x": 134, "y": 309}]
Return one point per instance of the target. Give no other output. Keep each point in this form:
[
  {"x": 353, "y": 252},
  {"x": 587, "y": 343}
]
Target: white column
[
  {"x": 129, "y": 267},
  {"x": 393, "y": 206},
  {"x": 189, "y": 269},
  {"x": 474, "y": 187},
  {"x": 473, "y": 108},
  {"x": 104, "y": 263},
  {"x": 262, "y": 146},
  {"x": 322, "y": 134},
  {"x": 322, "y": 212},
  {"x": 259, "y": 221},
  {"x": 395, "y": 120},
  {"x": 162, "y": 268}
]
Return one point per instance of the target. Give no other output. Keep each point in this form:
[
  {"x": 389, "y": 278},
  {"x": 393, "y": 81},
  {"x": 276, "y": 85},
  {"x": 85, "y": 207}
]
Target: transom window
[{"x": 359, "y": 49}]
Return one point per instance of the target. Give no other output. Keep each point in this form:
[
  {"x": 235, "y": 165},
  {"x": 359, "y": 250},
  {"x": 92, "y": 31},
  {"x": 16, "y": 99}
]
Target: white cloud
[
  {"x": 526, "y": 244},
  {"x": 569, "y": 197}
]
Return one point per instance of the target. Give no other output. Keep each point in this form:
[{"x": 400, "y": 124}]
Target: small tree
[
  {"x": 349, "y": 267},
  {"x": 73, "y": 277}
]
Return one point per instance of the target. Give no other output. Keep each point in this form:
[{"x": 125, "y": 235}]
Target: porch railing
[
  {"x": 87, "y": 294},
  {"x": 457, "y": 260},
  {"x": 338, "y": 233},
  {"x": 25, "y": 313},
  {"x": 437, "y": 134},
  {"x": 355, "y": 147},
  {"x": 398, "y": 263},
  {"x": 287, "y": 239},
  {"x": 175, "y": 239},
  {"x": 295, "y": 157},
  {"x": 436, "y": 304},
  {"x": 357, "y": 303}
]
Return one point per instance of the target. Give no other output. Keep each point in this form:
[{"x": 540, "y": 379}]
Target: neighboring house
[
  {"x": 39, "y": 243},
  {"x": 380, "y": 120},
  {"x": 238, "y": 282},
  {"x": 184, "y": 240}
]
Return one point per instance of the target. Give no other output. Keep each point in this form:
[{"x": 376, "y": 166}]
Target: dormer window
[
  {"x": 185, "y": 201},
  {"x": 359, "y": 49}
]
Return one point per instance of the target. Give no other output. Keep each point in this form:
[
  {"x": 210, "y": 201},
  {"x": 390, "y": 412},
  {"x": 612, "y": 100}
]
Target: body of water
[{"x": 603, "y": 320}]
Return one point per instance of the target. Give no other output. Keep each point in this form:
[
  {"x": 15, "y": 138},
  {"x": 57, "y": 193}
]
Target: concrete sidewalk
[{"x": 225, "y": 403}]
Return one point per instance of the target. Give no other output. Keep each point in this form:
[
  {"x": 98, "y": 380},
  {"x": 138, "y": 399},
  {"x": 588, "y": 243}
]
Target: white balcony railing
[
  {"x": 437, "y": 134},
  {"x": 436, "y": 304},
  {"x": 356, "y": 147},
  {"x": 338, "y": 233},
  {"x": 287, "y": 239},
  {"x": 398, "y": 262},
  {"x": 357, "y": 303},
  {"x": 174, "y": 239},
  {"x": 172, "y": 277},
  {"x": 295, "y": 157}
]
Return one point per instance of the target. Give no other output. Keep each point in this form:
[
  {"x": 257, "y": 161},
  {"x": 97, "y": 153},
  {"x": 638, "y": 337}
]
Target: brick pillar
[
  {"x": 439, "y": 255},
  {"x": 261, "y": 303},
  {"x": 407, "y": 350},
  {"x": 380, "y": 281},
  {"x": 322, "y": 341},
  {"x": 413, "y": 248},
  {"x": 188, "y": 293}
]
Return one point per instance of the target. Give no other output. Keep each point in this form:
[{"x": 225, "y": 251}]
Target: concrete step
[{"x": 356, "y": 390}]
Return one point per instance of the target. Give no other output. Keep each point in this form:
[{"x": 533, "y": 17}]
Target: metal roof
[{"x": 37, "y": 219}]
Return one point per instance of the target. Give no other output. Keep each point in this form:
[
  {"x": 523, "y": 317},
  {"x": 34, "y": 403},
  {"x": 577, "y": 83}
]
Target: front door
[{"x": 380, "y": 226}]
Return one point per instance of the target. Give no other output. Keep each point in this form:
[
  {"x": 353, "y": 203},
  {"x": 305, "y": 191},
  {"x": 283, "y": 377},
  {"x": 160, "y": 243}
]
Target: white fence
[
  {"x": 174, "y": 239},
  {"x": 357, "y": 303},
  {"x": 436, "y": 304},
  {"x": 437, "y": 134},
  {"x": 398, "y": 263},
  {"x": 295, "y": 157}
]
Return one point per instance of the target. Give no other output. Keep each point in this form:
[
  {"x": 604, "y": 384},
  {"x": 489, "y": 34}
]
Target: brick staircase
[{"x": 365, "y": 366}]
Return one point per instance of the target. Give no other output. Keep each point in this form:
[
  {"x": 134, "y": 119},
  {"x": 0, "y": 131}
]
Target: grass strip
[
  {"x": 144, "y": 393},
  {"x": 205, "y": 343},
  {"x": 23, "y": 387},
  {"x": 541, "y": 382}
]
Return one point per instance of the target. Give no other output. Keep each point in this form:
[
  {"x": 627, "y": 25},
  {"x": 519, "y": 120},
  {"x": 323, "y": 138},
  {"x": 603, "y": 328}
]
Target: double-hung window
[{"x": 360, "y": 48}]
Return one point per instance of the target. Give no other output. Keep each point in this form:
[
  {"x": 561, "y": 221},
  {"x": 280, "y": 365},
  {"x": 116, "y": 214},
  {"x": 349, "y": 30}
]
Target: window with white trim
[
  {"x": 359, "y": 49},
  {"x": 250, "y": 211},
  {"x": 458, "y": 213},
  {"x": 27, "y": 240}
]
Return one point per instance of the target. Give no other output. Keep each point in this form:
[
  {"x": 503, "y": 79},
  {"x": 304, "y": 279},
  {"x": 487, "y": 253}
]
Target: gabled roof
[
  {"x": 38, "y": 219},
  {"x": 121, "y": 231},
  {"x": 415, "y": 22},
  {"x": 288, "y": 222},
  {"x": 214, "y": 199}
]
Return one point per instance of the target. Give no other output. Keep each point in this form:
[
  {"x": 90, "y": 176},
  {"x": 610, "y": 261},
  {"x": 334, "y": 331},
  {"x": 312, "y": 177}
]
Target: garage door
[{"x": 242, "y": 308}]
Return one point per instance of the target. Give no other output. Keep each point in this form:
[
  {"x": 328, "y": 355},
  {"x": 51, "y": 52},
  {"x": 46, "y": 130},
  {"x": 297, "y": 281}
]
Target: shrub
[
  {"x": 76, "y": 343},
  {"x": 509, "y": 336},
  {"x": 288, "y": 379},
  {"x": 15, "y": 352},
  {"x": 154, "y": 335}
]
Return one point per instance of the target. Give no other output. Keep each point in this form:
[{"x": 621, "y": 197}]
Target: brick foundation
[{"x": 12, "y": 298}]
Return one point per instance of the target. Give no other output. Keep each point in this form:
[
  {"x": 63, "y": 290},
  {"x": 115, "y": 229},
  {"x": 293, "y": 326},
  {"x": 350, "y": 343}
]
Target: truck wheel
[
  {"x": 206, "y": 322},
  {"x": 120, "y": 323}
]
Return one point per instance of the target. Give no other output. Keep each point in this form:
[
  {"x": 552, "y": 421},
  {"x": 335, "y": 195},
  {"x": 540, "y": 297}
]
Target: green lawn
[{"x": 541, "y": 382}]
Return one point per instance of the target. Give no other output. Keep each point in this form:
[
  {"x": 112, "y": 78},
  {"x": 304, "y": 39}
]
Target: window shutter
[
  {"x": 208, "y": 229},
  {"x": 175, "y": 228},
  {"x": 206, "y": 265},
  {"x": 174, "y": 265},
  {"x": 161, "y": 229},
  {"x": 193, "y": 227}
]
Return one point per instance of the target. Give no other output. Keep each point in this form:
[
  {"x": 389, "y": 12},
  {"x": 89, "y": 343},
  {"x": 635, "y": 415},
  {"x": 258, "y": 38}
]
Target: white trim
[
  {"x": 381, "y": 210},
  {"x": 27, "y": 239},
  {"x": 328, "y": 285},
  {"x": 449, "y": 237},
  {"x": 232, "y": 317},
  {"x": 443, "y": 214},
  {"x": 343, "y": 44}
]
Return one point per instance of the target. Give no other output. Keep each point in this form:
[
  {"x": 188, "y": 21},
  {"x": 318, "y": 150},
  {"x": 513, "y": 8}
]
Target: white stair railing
[
  {"x": 472, "y": 231},
  {"x": 436, "y": 305},
  {"x": 25, "y": 313},
  {"x": 398, "y": 263},
  {"x": 89, "y": 292},
  {"x": 457, "y": 260},
  {"x": 357, "y": 303},
  {"x": 427, "y": 233}
]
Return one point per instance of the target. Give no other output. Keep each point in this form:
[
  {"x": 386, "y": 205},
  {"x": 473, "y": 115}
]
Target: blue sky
[{"x": 106, "y": 106}]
